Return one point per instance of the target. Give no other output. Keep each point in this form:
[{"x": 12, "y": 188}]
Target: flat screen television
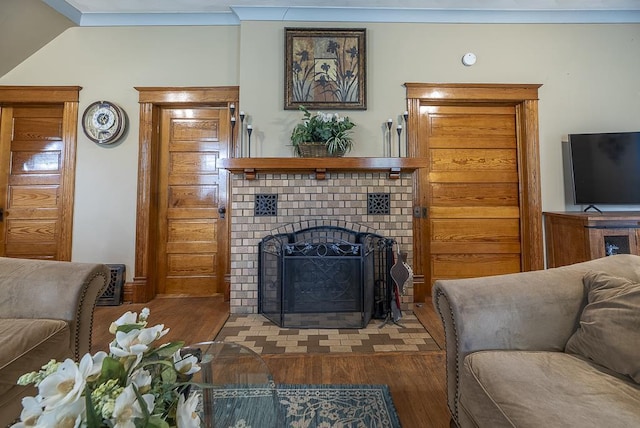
[{"x": 605, "y": 168}]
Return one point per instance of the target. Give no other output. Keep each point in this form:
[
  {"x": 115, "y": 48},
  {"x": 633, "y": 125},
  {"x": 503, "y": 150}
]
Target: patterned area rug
[
  {"x": 263, "y": 337},
  {"x": 309, "y": 406}
]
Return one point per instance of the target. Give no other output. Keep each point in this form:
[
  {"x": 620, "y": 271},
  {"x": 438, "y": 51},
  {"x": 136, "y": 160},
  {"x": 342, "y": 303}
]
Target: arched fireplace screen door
[{"x": 324, "y": 274}]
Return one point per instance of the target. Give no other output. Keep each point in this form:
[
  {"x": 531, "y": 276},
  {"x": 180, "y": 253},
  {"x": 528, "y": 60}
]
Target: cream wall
[
  {"x": 589, "y": 75},
  {"x": 108, "y": 63}
]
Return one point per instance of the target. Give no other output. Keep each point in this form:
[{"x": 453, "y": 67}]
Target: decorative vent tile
[
  {"x": 112, "y": 294},
  {"x": 266, "y": 205},
  {"x": 378, "y": 203}
]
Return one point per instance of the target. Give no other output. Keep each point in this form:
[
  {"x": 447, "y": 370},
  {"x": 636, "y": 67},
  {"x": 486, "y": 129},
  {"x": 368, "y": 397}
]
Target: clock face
[{"x": 104, "y": 122}]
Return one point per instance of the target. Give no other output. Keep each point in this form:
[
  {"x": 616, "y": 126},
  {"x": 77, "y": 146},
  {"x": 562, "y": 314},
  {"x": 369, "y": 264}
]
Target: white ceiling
[{"x": 229, "y": 12}]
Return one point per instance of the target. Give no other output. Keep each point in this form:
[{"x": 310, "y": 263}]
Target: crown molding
[
  {"x": 237, "y": 14},
  {"x": 158, "y": 19},
  {"x": 450, "y": 16}
]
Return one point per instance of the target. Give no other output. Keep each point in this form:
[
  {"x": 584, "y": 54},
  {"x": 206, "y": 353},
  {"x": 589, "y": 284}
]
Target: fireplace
[
  {"x": 323, "y": 274},
  {"x": 261, "y": 205}
]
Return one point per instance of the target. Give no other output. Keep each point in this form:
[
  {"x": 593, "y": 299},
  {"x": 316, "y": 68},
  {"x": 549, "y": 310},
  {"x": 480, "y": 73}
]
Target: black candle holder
[
  {"x": 242, "y": 116},
  {"x": 389, "y": 124},
  {"x": 249, "y": 131},
  {"x": 406, "y": 132},
  {"x": 233, "y": 125},
  {"x": 399, "y": 129}
]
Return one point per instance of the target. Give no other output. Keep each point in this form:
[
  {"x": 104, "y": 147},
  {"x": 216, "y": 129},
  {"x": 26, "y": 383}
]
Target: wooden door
[
  {"x": 192, "y": 250},
  {"x": 478, "y": 195},
  {"x": 32, "y": 160},
  {"x": 150, "y": 237},
  {"x": 472, "y": 190}
]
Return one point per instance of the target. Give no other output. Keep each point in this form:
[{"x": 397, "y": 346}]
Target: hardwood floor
[
  {"x": 416, "y": 379},
  {"x": 192, "y": 319}
]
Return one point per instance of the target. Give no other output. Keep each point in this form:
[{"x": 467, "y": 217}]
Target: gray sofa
[
  {"x": 552, "y": 348},
  {"x": 46, "y": 312}
]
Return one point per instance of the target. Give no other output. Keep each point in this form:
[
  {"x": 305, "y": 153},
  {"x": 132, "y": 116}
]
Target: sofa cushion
[
  {"x": 609, "y": 331},
  {"x": 545, "y": 389},
  {"x": 27, "y": 344}
]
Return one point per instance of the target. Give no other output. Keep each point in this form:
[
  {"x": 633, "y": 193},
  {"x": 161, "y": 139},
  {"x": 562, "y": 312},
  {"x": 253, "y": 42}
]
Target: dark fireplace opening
[{"x": 324, "y": 274}]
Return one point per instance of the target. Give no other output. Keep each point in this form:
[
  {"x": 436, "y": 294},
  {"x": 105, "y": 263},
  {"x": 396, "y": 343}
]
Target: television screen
[{"x": 606, "y": 168}]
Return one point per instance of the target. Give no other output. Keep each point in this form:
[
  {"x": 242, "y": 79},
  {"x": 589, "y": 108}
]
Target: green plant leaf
[
  {"x": 157, "y": 422},
  {"x": 169, "y": 375},
  {"x": 127, "y": 328},
  {"x": 169, "y": 349},
  {"x": 93, "y": 420},
  {"x": 143, "y": 406},
  {"x": 113, "y": 369}
]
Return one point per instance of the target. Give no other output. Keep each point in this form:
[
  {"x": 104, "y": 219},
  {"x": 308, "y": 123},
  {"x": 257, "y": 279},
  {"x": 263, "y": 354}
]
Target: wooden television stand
[{"x": 578, "y": 236}]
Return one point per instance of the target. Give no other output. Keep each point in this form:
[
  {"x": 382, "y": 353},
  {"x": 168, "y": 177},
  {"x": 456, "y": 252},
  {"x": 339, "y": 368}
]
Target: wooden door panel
[
  {"x": 193, "y": 196},
  {"x": 445, "y": 266},
  {"x": 464, "y": 141},
  {"x": 473, "y": 177},
  {"x": 31, "y": 231},
  {"x": 480, "y": 247},
  {"x": 191, "y": 244},
  {"x": 29, "y": 162},
  {"x": 466, "y": 122},
  {"x": 469, "y": 159},
  {"x": 201, "y": 130},
  {"x": 33, "y": 197},
  {"x": 38, "y": 123},
  {"x": 193, "y": 234},
  {"x": 193, "y": 163},
  {"x": 474, "y": 230},
  {"x": 483, "y": 194},
  {"x": 462, "y": 211},
  {"x": 201, "y": 264},
  {"x": 29, "y": 238}
]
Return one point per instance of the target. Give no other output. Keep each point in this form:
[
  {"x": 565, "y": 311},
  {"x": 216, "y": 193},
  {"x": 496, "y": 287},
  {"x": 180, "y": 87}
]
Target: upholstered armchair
[
  {"x": 46, "y": 310},
  {"x": 558, "y": 347}
]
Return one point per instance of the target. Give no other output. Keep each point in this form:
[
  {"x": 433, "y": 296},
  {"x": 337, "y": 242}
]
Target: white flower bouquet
[{"x": 135, "y": 385}]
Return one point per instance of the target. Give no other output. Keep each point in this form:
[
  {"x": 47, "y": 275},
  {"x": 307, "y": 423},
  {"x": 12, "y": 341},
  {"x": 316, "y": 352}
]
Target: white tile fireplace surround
[{"x": 345, "y": 196}]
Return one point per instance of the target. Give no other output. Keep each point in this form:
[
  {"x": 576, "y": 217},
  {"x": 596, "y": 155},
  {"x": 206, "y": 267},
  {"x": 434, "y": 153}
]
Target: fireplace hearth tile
[{"x": 259, "y": 334}]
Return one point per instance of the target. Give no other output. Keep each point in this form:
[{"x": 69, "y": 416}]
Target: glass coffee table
[{"x": 237, "y": 387}]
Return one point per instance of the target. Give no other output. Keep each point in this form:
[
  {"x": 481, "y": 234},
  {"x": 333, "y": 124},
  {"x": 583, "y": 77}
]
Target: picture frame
[{"x": 325, "y": 68}]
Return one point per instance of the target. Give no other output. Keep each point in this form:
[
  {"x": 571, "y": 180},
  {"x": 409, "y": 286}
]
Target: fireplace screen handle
[{"x": 222, "y": 211}]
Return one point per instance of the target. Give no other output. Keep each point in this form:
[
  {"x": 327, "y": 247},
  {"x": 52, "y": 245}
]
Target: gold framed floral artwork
[{"x": 325, "y": 68}]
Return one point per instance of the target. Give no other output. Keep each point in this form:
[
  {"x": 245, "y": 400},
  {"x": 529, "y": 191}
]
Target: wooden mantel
[{"x": 320, "y": 166}]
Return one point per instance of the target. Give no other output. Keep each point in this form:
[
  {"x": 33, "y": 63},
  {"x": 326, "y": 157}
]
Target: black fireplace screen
[{"x": 324, "y": 274}]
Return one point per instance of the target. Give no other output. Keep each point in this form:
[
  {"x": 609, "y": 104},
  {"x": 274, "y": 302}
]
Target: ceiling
[{"x": 232, "y": 12}]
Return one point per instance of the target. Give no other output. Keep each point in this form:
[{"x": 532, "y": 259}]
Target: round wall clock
[{"x": 104, "y": 122}]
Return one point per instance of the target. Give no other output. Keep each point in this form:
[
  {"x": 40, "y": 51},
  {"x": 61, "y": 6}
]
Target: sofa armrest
[
  {"x": 55, "y": 290},
  {"x": 537, "y": 310}
]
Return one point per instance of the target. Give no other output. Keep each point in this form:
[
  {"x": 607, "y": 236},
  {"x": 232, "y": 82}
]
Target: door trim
[
  {"x": 151, "y": 100},
  {"x": 68, "y": 96},
  {"x": 524, "y": 97}
]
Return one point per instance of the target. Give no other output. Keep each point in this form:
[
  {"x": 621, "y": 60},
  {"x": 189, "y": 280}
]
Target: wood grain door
[
  {"x": 32, "y": 165},
  {"x": 472, "y": 190},
  {"x": 192, "y": 250},
  {"x": 477, "y": 204}
]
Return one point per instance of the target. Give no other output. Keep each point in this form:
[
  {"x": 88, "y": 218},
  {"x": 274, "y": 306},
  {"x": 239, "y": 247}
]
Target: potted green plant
[{"x": 322, "y": 135}]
